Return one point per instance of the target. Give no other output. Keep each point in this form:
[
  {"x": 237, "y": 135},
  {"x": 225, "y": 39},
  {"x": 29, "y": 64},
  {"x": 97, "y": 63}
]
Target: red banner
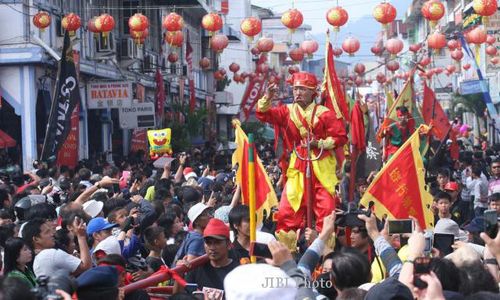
[
  {"x": 253, "y": 93},
  {"x": 139, "y": 140},
  {"x": 68, "y": 154}
]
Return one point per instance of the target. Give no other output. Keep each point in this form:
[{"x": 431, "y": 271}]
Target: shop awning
[{"x": 6, "y": 141}]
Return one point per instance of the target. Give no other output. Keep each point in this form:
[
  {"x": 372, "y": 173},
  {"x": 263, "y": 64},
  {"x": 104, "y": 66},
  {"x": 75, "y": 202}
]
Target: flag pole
[
  {"x": 427, "y": 154},
  {"x": 251, "y": 191}
]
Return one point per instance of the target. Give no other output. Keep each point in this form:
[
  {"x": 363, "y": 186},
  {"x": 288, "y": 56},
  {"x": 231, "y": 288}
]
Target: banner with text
[{"x": 101, "y": 95}]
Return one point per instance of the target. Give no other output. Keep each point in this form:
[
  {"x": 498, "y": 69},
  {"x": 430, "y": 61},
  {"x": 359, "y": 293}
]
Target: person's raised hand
[
  {"x": 310, "y": 234},
  {"x": 136, "y": 198},
  {"x": 416, "y": 245},
  {"x": 272, "y": 91},
  {"x": 182, "y": 159},
  {"x": 328, "y": 226},
  {"x": 492, "y": 244},
  {"x": 79, "y": 227},
  {"x": 280, "y": 252},
  {"x": 107, "y": 181},
  {"x": 434, "y": 290},
  {"x": 371, "y": 225}
]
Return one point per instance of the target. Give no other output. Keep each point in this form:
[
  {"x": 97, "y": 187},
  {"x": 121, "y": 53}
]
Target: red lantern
[
  {"x": 490, "y": 40},
  {"x": 369, "y": 81},
  {"x": 218, "y": 75},
  {"x": 477, "y": 36},
  {"x": 105, "y": 24},
  {"x": 491, "y": 50},
  {"x": 173, "y": 57},
  {"x": 41, "y": 20},
  {"x": 438, "y": 70},
  {"x": 237, "y": 78},
  {"x": 293, "y": 69},
  {"x": 337, "y": 17},
  {"x": 244, "y": 75},
  {"x": 415, "y": 48},
  {"x": 433, "y": 11},
  {"x": 377, "y": 50},
  {"x": 452, "y": 44},
  {"x": 265, "y": 44},
  {"x": 219, "y": 42},
  {"x": 204, "y": 63},
  {"x": 425, "y": 61},
  {"x": 251, "y": 27},
  {"x": 222, "y": 71},
  {"x": 71, "y": 22},
  {"x": 451, "y": 69},
  {"x": 175, "y": 38},
  {"x": 429, "y": 73},
  {"x": 393, "y": 66},
  {"x": 309, "y": 47},
  {"x": 91, "y": 26},
  {"x": 485, "y": 8},
  {"x": 173, "y": 22},
  {"x": 436, "y": 41},
  {"x": 212, "y": 23},
  {"x": 359, "y": 69},
  {"x": 351, "y": 45},
  {"x": 381, "y": 77},
  {"x": 138, "y": 22},
  {"x": 457, "y": 54},
  {"x": 234, "y": 67},
  {"x": 358, "y": 81},
  {"x": 384, "y": 13},
  {"x": 495, "y": 60},
  {"x": 337, "y": 52},
  {"x": 296, "y": 54},
  {"x": 466, "y": 67},
  {"x": 394, "y": 46},
  {"x": 292, "y": 19}
]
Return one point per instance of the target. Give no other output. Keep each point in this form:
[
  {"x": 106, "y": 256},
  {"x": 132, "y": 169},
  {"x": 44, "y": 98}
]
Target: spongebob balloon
[{"x": 159, "y": 142}]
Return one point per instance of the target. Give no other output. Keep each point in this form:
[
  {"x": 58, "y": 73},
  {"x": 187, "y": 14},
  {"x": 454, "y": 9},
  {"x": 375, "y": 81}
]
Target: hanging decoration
[
  {"x": 219, "y": 42},
  {"x": 351, "y": 45},
  {"x": 394, "y": 46},
  {"x": 234, "y": 67},
  {"x": 175, "y": 39},
  {"x": 173, "y": 57},
  {"x": 425, "y": 61},
  {"x": 436, "y": 41},
  {"x": 476, "y": 36},
  {"x": 337, "y": 51},
  {"x": 204, "y": 63},
  {"x": 92, "y": 28},
  {"x": 392, "y": 66},
  {"x": 71, "y": 22},
  {"x": 309, "y": 47},
  {"x": 251, "y": 27},
  {"x": 377, "y": 50},
  {"x": 466, "y": 67},
  {"x": 265, "y": 44},
  {"x": 384, "y": 13},
  {"x": 433, "y": 11},
  {"x": 359, "y": 68},
  {"x": 415, "y": 48},
  {"x": 491, "y": 50},
  {"x": 173, "y": 22},
  {"x": 138, "y": 22},
  {"x": 490, "y": 40},
  {"x": 212, "y": 23},
  {"x": 41, "y": 20},
  {"x": 140, "y": 36},
  {"x": 337, "y": 17},
  {"x": 485, "y": 8},
  {"x": 296, "y": 54},
  {"x": 292, "y": 19},
  {"x": 105, "y": 23},
  {"x": 453, "y": 44}
]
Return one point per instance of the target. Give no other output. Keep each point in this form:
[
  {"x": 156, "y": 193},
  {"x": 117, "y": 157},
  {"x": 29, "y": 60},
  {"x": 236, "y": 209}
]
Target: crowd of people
[{"x": 92, "y": 230}]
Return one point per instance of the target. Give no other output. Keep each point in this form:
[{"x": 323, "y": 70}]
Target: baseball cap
[
  {"x": 216, "y": 229},
  {"x": 475, "y": 225},
  {"x": 102, "y": 277},
  {"x": 98, "y": 224},
  {"x": 451, "y": 186},
  {"x": 93, "y": 207},
  {"x": 195, "y": 211},
  {"x": 189, "y": 173},
  {"x": 448, "y": 226}
]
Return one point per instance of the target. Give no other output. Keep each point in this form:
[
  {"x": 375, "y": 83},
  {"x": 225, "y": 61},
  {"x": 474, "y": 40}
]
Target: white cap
[
  {"x": 93, "y": 207},
  {"x": 267, "y": 282},
  {"x": 109, "y": 245},
  {"x": 195, "y": 211}
]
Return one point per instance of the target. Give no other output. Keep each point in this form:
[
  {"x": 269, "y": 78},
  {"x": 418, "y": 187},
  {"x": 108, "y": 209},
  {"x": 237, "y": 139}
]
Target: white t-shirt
[{"x": 48, "y": 261}]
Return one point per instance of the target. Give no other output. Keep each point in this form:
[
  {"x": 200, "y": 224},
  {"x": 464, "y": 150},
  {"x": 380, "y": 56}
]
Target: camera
[
  {"x": 350, "y": 218},
  {"x": 46, "y": 289}
]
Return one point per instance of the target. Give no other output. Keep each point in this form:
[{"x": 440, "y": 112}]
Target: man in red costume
[
  {"x": 397, "y": 133},
  {"x": 293, "y": 122}
]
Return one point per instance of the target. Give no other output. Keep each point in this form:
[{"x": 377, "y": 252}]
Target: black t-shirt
[
  {"x": 154, "y": 262},
  {"x": 210, "y": 277}
]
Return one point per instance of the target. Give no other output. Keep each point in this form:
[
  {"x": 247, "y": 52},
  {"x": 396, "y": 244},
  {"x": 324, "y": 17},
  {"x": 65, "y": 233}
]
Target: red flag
[
  {"x": 68, "y": 154},
  {"x": 332, "y": 92},
  {"x": 358, "y": 137},
  {"x": 189, "y": 60},
  {"x": 160, "y": 95},
  {"x": 398, "y": 190},
  {"x": 440, "y": 120}
]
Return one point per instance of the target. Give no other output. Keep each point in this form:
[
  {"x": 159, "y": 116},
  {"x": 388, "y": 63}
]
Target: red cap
[
  {"x": 451, "y": 186},
  {"x": 216, "y": 229},
  {"x": 305, "y": 79}
]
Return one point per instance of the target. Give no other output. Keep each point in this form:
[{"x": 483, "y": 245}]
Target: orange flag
[
  {"x": 439, "y": 120},
  {"x": 265, "y": 196},
  {"x": 398, "y": 190}
]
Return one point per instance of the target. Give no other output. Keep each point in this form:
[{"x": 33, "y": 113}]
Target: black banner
[{"x": 66, "y": 97}]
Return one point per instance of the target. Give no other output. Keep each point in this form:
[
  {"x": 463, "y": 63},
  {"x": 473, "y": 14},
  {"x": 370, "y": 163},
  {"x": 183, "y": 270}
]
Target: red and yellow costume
[{"x": 293, "y": 123}]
